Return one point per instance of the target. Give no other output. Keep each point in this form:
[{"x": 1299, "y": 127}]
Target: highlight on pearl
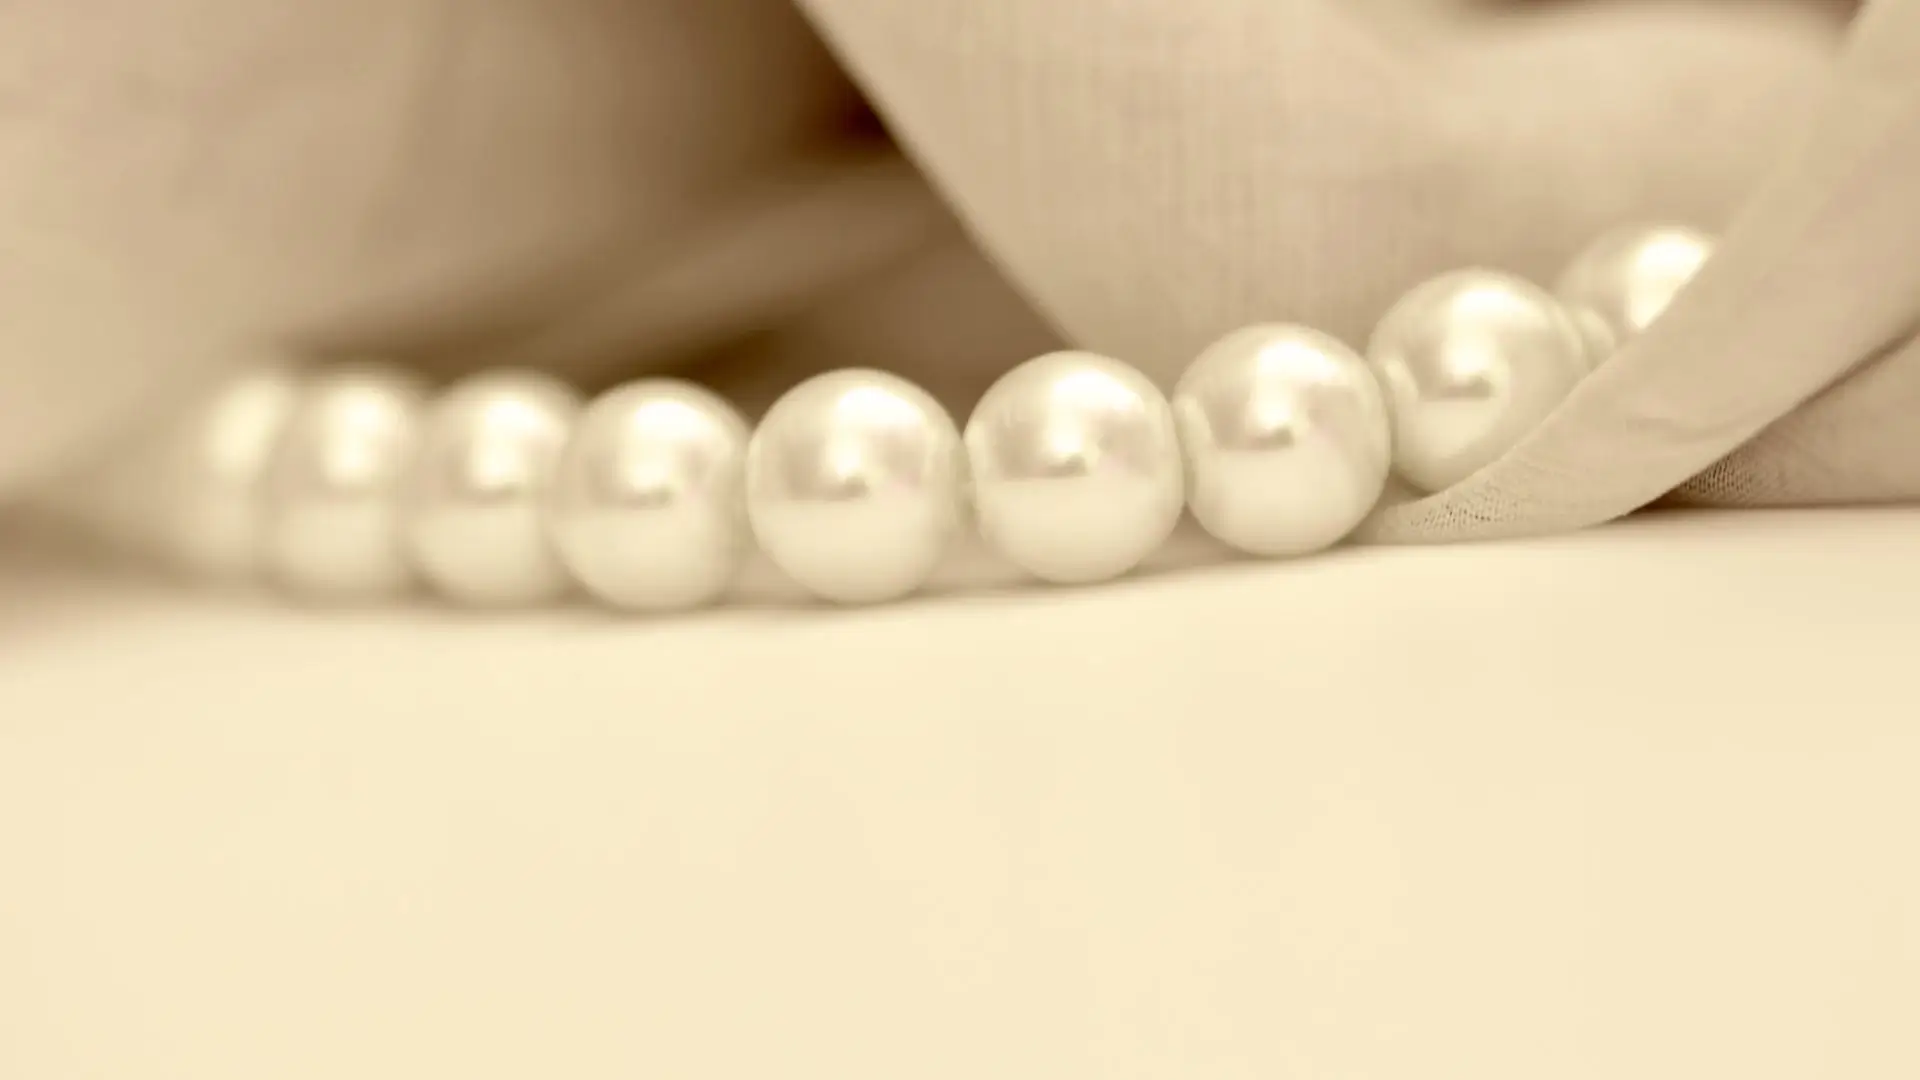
[
  {"x": 1625, "y": 280},
  {"x": 330, "y": 526},
  {"x": 1471, "y": 362},
  {"x": 1077, "y": 470},
  {"x": 1287, "y": 437},
  {"x": 648, "y": 507},
  {"x": 855, "y": 481},
  {"x": 473, "y": 498}
]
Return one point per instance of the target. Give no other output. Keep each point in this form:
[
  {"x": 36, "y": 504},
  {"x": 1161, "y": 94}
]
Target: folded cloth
[
  {"x": 1145, "y": 176},
  {"x": 1786, "y": 374},
  {"x": 1152, "y": 175},
  {"x": 188, "y": 184}
]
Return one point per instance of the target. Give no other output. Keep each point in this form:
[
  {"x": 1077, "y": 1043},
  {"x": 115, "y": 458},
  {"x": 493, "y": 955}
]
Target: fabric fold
[
  {"x": 1154, "y": 175},
  {"x": 1818, "y": 277}
]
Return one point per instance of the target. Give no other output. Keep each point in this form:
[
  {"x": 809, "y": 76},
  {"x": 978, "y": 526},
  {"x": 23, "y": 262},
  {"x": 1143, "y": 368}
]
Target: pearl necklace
[{"x": 506, "y": 489}]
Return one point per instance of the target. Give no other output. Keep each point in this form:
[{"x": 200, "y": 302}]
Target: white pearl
[
  {"x": 1471, "y": 362},
  {"x": 855, "y": 485},
  {"x": 648, "y": 509},
  {"x": 488, "y": 451},
  {"x": 1625, "y": 280},
  {"x": 214, "y": 463},
  {"x": 330, "y": 502},
  {"x": 1076, "y": 465},
  {"x": 1287, "y": 438}
]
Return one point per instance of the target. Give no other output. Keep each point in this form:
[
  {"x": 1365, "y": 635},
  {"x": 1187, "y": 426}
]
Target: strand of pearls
[{"x": 508, "y": 489}]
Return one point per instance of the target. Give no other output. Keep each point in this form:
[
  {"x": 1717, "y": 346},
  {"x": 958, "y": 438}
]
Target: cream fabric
[
  {"x": 611, "y": 186},
  {"x": 1158, "y": 173},
  {"x": 186, "y": 184}
]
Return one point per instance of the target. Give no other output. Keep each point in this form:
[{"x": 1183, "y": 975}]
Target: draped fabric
[
  {"x": 610, "y": 187},
  {"x": 1153, "y": 174}
]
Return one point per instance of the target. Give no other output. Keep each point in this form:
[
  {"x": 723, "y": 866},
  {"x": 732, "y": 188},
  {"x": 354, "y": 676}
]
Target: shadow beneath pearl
[
  {"x": 973, "y": 574},
  {"x": 50, "y": 580}
]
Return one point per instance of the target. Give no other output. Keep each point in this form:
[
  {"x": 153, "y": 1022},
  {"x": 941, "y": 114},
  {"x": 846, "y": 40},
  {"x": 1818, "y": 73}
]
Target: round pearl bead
[
  {"x": 330, "y": 525},
  {"x": 1076, "y": 466},
  {"x": 855, "y": 485},
  {"x": 487, "y": 455},
  {"x": 1471, "y": 362},
  {"x": 1625, "y": 280},
  {"x": 1287, "y": 438},
  {"x": 647, "y": 509},
  {"x": 213, "y": 464}
]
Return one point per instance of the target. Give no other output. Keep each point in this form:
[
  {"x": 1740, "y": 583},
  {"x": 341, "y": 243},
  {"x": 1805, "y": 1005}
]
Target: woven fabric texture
[{"x": 1154, "y": 174}]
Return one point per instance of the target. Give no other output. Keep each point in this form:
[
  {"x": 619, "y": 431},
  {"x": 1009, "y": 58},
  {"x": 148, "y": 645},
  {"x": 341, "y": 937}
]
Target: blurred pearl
[
  {"x": 330, "y": 502},
  {"x": 488, "y": 451},
  {"x": 854, "y": 485},
  {"x": 214, "y": 462},
  {"x": 1287, "y": 438},
  {"x": 1617, "y": 287},
  {"x": 1076, "y": 467},
  {"x": 648, "y": 510},
  {"x": 1471, "y": 363}
]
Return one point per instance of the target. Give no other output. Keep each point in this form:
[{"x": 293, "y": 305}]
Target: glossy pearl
[
  {"x": 488, "y": 452},
  {"x": 648, "y": 509},
  {"x": 330, "y": 525},
  {"x": 213, "y": 465},
  {"x": 1471, "y": 362},
  {"x": 1620, "y": 284},
  {"x": 1287, "y": 438},
  {"x": 1076, "y": 467},
  {"x": 855, "y": 485}
]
